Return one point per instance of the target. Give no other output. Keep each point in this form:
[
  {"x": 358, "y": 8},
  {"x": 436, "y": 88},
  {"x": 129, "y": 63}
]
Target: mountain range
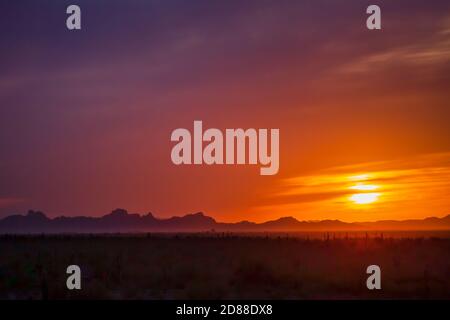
[{"x": 120, "y": 221}]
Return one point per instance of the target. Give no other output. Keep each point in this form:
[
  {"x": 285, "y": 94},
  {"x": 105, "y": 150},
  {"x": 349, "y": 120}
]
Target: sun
[
  {"x": 365, "y": 191},
  {"x": 364, "y": 198},
  {"x": 364, "y": 187}
]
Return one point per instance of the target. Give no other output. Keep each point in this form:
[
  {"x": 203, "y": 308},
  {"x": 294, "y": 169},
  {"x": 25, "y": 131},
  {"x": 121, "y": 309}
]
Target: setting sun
[
  {"x": 364, "y": 198},
  {"x": 364, "y": 187}
]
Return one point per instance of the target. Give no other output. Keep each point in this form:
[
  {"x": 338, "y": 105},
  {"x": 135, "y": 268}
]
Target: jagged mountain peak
[
  {"x": 119, "y": 220},
  {"x": 36, "y": 214}
]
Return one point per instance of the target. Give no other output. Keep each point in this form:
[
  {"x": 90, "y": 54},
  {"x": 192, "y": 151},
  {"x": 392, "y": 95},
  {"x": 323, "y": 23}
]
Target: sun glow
[
  {"x": 361, "y": 185},
  {"x": 364, "y": 187},
  {"x": 359, "y": 177},
  {"x": 364, "y": 198}
]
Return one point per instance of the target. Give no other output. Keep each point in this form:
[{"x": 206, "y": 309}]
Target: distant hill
[{"x": 120, "y": 221}]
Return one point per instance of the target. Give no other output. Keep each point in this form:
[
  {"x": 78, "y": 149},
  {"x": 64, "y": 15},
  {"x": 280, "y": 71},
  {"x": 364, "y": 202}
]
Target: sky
[{"x": 86, "y": 116}]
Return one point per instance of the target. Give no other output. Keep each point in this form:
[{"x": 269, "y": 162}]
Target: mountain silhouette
[{"x": 120, "y": 221}]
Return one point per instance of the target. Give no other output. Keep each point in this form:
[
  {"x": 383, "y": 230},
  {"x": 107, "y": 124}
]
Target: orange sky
[{"x": 399, "y": 189}]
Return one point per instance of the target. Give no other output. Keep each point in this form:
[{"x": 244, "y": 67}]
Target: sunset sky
[{"x": 364, "y": 116}]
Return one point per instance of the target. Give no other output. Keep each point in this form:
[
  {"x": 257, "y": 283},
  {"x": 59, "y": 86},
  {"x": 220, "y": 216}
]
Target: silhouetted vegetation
[{"x": 223, "y": 266}]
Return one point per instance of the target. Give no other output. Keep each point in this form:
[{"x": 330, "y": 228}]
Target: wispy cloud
[
  {"x": 400, "y": 185},
  {"x": 427, "y": 52},
  {"x": 7, "y": 202}
]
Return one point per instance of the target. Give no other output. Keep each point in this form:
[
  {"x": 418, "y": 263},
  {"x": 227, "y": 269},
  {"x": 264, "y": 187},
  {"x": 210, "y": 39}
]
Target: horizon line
[{"x": 141, "y": 215}]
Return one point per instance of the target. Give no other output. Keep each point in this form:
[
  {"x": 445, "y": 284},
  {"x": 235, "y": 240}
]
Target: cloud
[
  {"x": 423, "y": 179},
  {"x": 7, "y": 202},
  {"x": 430, "y": 52}
]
